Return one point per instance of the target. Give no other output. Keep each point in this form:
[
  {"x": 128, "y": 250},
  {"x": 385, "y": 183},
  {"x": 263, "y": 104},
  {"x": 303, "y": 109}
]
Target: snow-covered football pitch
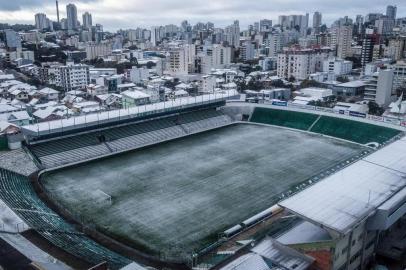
[{"x": 174, "y": 198}]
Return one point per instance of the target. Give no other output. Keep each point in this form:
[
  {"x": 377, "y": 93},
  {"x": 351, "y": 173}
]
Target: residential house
[
  {"x": 20, "y": 118},
  {"x": 131, "y": 98},
  {"x": 49, "y": 94}
]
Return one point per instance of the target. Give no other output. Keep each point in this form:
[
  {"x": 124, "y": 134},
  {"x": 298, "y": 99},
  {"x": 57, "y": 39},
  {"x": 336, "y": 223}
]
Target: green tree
[
  {"x": 278, "y": 84},
  {"x": 309, "y": 83},
  {"x": 401, "y": 90},
  {"x": 375, "y": 109},
  {"x": 150, "y": 64},
  {"x": 342, "y": 79}
]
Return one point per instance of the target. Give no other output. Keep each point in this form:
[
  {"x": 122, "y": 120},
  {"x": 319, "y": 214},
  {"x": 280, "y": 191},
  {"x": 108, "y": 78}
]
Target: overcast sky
[{"x": 115, "y": 14}]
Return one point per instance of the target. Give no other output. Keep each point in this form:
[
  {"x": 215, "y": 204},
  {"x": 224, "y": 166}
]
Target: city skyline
[{"x": 139, "y": 13}]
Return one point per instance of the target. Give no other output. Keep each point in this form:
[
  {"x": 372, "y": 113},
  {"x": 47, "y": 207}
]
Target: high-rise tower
[{"x": 57, "y": 11}]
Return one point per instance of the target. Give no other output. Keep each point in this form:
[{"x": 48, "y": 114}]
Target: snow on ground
[
  {"x": 179, "y": 195},
  {"x": 17, "y": 161},
  {"x": 9, "y": 221},
  {"x": 29, "y": 250}
]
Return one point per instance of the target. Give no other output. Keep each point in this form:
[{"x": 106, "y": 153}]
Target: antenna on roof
[{"x": 369, "y": 197}]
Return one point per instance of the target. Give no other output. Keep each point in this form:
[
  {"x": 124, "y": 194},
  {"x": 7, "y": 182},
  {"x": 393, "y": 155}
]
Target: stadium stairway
[{"x": 17, "y": 192}]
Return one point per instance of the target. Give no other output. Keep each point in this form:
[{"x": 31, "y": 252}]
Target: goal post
[{"x": 103, "y": 197}]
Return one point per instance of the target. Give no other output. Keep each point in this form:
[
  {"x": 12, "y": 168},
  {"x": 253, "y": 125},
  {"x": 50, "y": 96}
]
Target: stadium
[{"x": 164, "y": 185}]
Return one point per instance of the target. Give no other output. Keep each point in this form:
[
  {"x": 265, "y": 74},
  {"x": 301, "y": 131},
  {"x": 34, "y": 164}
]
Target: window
[{"x": 355, "y": 257}]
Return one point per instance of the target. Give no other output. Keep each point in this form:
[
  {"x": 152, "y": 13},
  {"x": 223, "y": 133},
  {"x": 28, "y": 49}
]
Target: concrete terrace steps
[{"x": 83, "y": 147}]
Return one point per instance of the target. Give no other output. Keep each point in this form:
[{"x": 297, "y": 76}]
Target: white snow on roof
[
  {"x": 47, "y": 91},
  {"x": 9, "y": 83},
  {"x": 76, "y": 93},
  {"x": 357, "y": 83},
  {"x": 20, "y": 115},
  {"x": 135, "y": 94},
  {"x": 345, "y": 198},
  {"x": 86, "y": 104},
  {"x": 33, "y": 102},
  {"x": 181, "y": 93},
  {"x": 182, "y": 85},
  {"x": 301, "y": 102},
  {"x": 125, "y": 85},
  {"x": 250, "y": 261},
  {"x": 6, "y": 77},
  {"x": 351, "y": 107},
  {"x": 305, "y": 232},
  {"x": 133, "y": 266},
  {"x": 392, "y": 156},
  {"x": 4, "y": 125},
  {"x": 42, "y": 114},
  {"x": 114, "y": 115},
  {"x": 22, "y": 87},
  {"x": 7, "y": 108},
  {"x": 45, "y": 105},
  {"x": 282, "y": 255}
]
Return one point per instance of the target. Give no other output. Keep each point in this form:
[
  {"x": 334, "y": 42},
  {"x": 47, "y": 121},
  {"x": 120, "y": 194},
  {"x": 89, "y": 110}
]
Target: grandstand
[
  {"x": 345, "y": 129},
  {"x": 94, "y": 144},
  {"x": 17, "y": 192},
  {"x": 358, "y": 132},
  {"x": 289, "y": 119}
]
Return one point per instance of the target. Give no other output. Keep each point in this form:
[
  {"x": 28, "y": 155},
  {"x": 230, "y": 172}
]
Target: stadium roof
[
  {"x": 392, "y": 156},
  {"x": 133, "y": 266},
  {"x": 116, "y": 115},
  {"x": 269, "y": 254},
  {"x": 250, "y": 261},
  {"x": 304, "y": 232},
  {"x": 349, "y": 196},
  {"x": 282, "y": 255}
]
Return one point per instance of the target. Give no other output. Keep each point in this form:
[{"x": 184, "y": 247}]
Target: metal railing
[{"x": 127, "y": 114}]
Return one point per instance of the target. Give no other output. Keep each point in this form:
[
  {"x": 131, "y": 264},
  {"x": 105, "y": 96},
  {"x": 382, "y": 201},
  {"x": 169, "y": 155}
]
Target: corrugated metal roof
[
  {"x": 304, "y": 232},
  {"x": 342, "y": 200},
  {"x": 133, "y": 266},
  {"x": 392, "y": 156},
  {"x": 250, "y": 261},
  {"x": 282, "y": 255}
]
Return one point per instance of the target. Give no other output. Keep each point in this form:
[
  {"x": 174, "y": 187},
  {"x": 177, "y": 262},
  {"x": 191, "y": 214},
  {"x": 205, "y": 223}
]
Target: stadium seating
[
  {"x": 17, "y": 192},
  {"x": 210, "y": 123},
  {"x": 146, "y": 138},
  {"x": 70, "y": 143},
  {"x": 354, "y": 131},
  {"x": 81, "y": 147},
  {"x": 289, "y": 119},
  {"x": 74, "y": 155}
]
